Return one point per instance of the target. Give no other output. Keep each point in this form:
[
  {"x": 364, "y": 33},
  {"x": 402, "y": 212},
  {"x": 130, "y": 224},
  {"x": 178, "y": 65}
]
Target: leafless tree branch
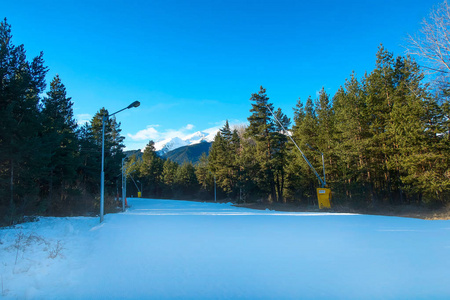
[{"x": 432, "y": 45}]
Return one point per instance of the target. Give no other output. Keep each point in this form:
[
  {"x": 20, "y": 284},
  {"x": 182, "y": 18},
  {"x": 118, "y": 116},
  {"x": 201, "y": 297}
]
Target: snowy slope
[
  {"x": 167, "y": 145},
  {"x": 170, "y": 144},
  {"x": 162, "y": 249}
]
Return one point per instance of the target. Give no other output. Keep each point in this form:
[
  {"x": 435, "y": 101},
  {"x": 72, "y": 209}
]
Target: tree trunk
[
  {"x": 11, "y": 201},
  {"x": 278, "y": 187},
  {"x": 374, "y": 194},
  {"x": 50, "y": 193}
]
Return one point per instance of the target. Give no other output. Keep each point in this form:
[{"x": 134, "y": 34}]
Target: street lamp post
[
  {"x": 124, "y": 185},
  {"x": 215, "y": 193},
  {"x": 124, "y": 182},
  {"x": 102, "y": 175}
]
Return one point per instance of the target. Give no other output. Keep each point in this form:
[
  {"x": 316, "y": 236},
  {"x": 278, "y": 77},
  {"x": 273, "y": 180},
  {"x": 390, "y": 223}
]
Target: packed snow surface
[{"x": 162, "y": 249}]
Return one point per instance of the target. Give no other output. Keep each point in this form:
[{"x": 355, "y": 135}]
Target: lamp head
[{"x": 134, "y": 104}]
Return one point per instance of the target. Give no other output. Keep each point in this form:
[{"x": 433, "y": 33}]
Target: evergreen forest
[{"x": 384, "y": 137}]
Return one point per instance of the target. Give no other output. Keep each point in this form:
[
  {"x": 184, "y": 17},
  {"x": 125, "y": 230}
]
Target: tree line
[
  {"x": 48, "y": 164},
  {"x": 384, "y": 138}
]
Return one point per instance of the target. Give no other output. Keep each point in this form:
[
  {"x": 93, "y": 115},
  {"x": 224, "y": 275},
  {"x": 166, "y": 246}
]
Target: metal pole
[
  {"x": 323, "y": 163},
  {"x": 303, "y": 155},
  {"x": 125, "y": 189},
  {"x": 323, "y": 166},
  {"x": 102, "y": 177},
  {"x": 123, "y": 186},
  {"x": 215, "y": 194},
  {"x": 135, "y": 183},
  {"x": 140, "y": 182}
]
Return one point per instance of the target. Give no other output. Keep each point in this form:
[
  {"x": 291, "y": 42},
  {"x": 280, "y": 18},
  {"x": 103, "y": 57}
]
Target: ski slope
[{"x": 162, "y": 249}]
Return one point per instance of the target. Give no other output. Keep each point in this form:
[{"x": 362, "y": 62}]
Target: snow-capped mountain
[{"x": 170, "y": 144}]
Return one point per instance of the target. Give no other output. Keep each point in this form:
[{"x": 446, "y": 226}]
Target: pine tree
[
  {"x": 248, "y": 169},
  {"x": 133, "y": 166},
  {"x": 169, "y": 177},
  {"x": 380, "y": 87},
  {"x": 235, "y": 152},
  {"x": 225, "y": 132},
  {"x": 420, "y": 157},
  {"x": 326, "y": 131},
  {"x": 113, "y": 151},
  {"x": 222, "y": 160},
  {"x": 299, "y": 115},
  {"x": 185, "y": 180},
  {"x": 216, "y": 154},
  {"x": 202, "y": 173},
  {"x": 293, "y": 169},
  {"x": 60, "y": 139},
  {"x": 151, "y": 170},
  {"x": 21, "y": 161},
  {"x": 306, "y": 132},
  {"x": 350, "y": 140},
  {"x": 261, "y": 129},
  {"x": 280, "y": 152},
  {"x": 90, "y": 158}
]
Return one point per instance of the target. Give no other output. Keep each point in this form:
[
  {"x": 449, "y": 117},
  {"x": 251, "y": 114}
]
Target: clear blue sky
[{"x": 194, "y": 64}]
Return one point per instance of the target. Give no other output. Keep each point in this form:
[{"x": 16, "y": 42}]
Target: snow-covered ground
[{"x": 162, "y": 249}]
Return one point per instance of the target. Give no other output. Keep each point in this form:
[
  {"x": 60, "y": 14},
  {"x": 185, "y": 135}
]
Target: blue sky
[{"x": 194, "y": 64}]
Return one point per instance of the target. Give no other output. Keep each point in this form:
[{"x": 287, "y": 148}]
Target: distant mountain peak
[
  {"x": 190, "y": 153},
  {"x": 167, "y": 145}
]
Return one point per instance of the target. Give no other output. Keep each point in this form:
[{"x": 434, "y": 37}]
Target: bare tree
[{"x": 432, "y": 45}]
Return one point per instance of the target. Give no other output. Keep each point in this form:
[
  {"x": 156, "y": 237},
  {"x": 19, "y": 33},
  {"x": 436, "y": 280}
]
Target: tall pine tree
[
  {"x": 60, "y": 140},
  {"x": 21, "y": 83},
  {"x": 151, "y": 170},
  {"x": 261, "y": 129}
]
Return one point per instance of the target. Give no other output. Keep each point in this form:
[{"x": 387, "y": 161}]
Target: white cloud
[
  {"x": 150, "y": 133},
  {"x": 189, "y": 127},
  {"x": 212, "y": 129},
  {"x": 83, "y": 118},
  {"x": 171, "y": 133}
]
